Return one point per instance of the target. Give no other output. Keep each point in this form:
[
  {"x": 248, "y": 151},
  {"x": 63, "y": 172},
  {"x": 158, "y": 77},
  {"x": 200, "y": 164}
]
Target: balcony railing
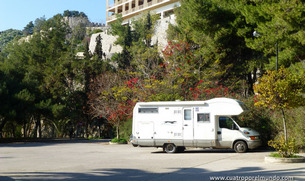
[
  {"x": 124, "y": 1},
  {"x": 145, "y": 5},
  {"x": 111, "y": 17}
]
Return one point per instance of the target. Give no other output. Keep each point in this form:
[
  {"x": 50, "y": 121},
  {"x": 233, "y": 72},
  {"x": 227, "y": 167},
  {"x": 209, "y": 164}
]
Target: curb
[
  {"x": 111, "y": 143},
  {"x": 269, "y": 159}
]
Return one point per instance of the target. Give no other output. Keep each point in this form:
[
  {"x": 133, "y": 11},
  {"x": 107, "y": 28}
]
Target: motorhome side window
[
  {"x": 148, "y": 110},
  {"x": 203, "y": 117},
  {"x": 187, "y": 114},
  {"x": 226, "y": 122}
]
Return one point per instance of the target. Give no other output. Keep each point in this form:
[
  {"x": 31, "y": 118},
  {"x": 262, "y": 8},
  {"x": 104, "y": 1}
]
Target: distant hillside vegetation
[
  {"x": 68, "y": 13},
  {"x": 7, "y": 36}
]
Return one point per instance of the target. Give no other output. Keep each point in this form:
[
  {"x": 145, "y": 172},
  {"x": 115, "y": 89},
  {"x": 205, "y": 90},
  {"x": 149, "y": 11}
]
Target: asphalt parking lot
[{"x": 97, "y": 160}]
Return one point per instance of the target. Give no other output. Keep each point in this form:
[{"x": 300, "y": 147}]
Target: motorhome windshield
[{"x": 240, "y": 121}]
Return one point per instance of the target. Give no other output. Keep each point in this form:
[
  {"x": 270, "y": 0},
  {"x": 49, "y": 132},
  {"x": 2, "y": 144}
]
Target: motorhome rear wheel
[{"x": 170, "y": 148}]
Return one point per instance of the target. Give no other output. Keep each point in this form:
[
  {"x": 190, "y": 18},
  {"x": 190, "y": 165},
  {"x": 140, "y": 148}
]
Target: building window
[
  {"x": 203, "y": 117},
  {"x": 133, "y": 4},
  {"x": 141, "y": 2},
  {"x": 148, "y": 110},
  {"x": 120, "y": 9}
]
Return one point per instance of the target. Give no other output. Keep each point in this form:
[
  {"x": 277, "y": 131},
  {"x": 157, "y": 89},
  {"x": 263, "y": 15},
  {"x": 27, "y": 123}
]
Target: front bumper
[{"x": 254, "y": 144}]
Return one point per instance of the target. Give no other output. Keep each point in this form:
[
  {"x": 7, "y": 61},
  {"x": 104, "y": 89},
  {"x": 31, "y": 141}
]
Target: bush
[
  {"x": 93, "y": 138},
  {"x": 285, "y": 149},
  {"x": 121, "y": 140},
  {"x": 277, "y": 155},
  {"x": 126, "y": 129},
  {"x": 95, "y": 31}
]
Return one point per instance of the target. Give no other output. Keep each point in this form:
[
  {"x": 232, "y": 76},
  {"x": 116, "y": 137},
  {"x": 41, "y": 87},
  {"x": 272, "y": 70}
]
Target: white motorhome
[{"x": 175, "y": 125}]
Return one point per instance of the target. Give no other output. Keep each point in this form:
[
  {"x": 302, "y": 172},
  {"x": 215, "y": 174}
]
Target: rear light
[{"x": 254, "y": 137}]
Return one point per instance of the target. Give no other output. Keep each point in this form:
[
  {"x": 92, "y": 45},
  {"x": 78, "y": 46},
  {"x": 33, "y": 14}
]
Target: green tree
[
  {"x": 29, "y": 29},
  {"x": 7, "y": 36},
  {"x": 145, "y": 56},
  {"x": 38, "y": 23},
  {"x": 98, "y": 51},
  {"x": 217, "y": 31},
  {"x": 68, "y": 13},
  {"x": 280, "y": 90},
  {"x": 280, "y": 25},
  {"x": 124, "y": 39},
  {"x": 46, "y": 81}
]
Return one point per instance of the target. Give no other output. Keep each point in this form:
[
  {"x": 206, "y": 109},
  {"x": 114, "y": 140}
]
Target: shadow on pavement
[
  {"x": 46, "y": 142},
  {"x": 178, "y": 174},
  {"x": 208, "y": 150}
]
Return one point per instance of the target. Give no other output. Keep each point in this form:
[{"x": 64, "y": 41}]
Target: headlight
[{"x": 246, "y": 132}]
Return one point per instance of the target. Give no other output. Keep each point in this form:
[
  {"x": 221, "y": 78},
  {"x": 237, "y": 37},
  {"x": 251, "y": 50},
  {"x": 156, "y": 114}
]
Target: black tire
[
  {"x": 135, "y": 145},
  {"x": 170, "y": 148},
  {"x": 240, "y": 147}
]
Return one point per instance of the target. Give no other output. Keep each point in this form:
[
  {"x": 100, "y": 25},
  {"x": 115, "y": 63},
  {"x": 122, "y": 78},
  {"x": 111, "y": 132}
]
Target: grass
[
  {"x": 121, "y": 140},
  {"x": 93, "y": 138},
  {"x": 277, "y": 155}
]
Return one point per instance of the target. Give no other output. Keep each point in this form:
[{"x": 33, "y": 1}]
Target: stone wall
[{"x": 75, "y": 21}]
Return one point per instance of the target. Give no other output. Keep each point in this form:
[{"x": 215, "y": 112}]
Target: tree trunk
[
  {"x": 24, "y": 129},
  {"x": 13, "y": 127},
  {"x": 284, "y": 125},
  {"x": 34, "y": 132},
  {"x": 118, "y": 131},
  {"x": 2, "y": 126},
  {"x": 39, "y": 126}
]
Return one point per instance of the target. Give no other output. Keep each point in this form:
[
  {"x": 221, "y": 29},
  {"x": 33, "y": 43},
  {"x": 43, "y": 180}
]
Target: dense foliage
[
  {"x": 281, "y": 90},
  {"x": 7, "y": 36},
  {"x": 211, "y": 52},
  {"x": 69, "y": 13},
  {"x": 44, "y": 87}
]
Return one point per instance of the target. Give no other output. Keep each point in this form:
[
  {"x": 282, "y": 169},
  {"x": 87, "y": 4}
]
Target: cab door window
[{"x": 226, "y": 122}]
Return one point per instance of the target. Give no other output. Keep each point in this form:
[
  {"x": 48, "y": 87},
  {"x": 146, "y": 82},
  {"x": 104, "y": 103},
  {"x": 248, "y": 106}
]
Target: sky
[{"x": 16, "y": 14}]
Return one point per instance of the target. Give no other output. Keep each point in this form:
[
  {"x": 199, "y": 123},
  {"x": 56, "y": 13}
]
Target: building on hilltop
[{"x": 132, "y": 8}]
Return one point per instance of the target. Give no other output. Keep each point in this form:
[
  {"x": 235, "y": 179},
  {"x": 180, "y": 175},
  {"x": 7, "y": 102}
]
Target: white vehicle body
[{"x": 175, "y": 125}]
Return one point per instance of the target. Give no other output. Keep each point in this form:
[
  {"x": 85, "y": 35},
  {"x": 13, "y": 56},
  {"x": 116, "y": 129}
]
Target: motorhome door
[
  {"x": 227, "y": 130},
  {"x": 188, "y": 126}
]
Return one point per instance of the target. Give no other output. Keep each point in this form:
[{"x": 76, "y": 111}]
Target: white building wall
[{"x": 160, "y": 11}]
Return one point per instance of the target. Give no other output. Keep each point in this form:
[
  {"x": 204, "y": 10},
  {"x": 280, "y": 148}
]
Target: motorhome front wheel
[{"x": 240, "y": 147}]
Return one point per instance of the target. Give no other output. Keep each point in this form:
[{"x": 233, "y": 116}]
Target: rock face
[
  {"x": 160, "y": 33},
  {"x": 75, "y": 21},
  {"x": 160, "y": 37},
  {"x": 107, "y": 43}
]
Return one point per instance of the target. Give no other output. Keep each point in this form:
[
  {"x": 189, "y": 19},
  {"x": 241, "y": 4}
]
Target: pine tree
[
  {"x": 29, "y": 29},
  {"x": 99, "y": 48}
]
